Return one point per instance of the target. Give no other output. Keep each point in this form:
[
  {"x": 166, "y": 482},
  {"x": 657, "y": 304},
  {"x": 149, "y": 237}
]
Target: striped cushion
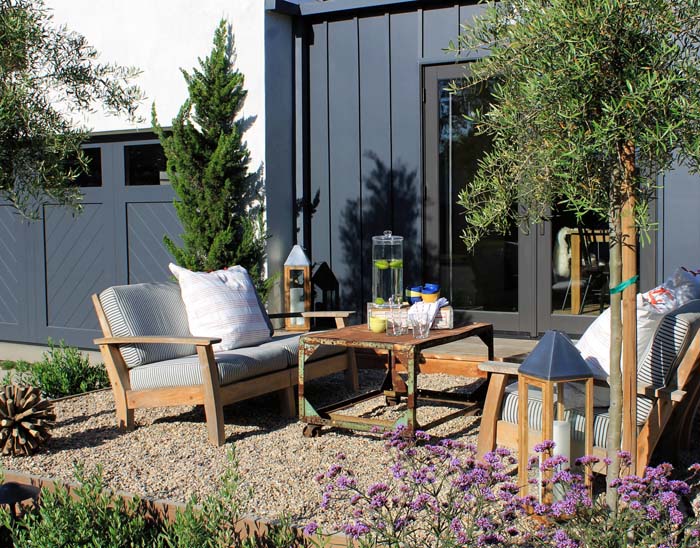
[
  {"x": 672, "y": 337},
  {"x": 147, "y": 309},
  {"x": 235, "y": 365},
  {"x": 223, "y": 304},
  {"x": 509, "y": 413}
]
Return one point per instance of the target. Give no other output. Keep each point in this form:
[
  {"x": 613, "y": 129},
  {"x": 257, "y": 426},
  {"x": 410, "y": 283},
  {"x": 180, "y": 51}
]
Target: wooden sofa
[
  {"x": 153, "y": 361},
  {"x": 672, "y": 363}
]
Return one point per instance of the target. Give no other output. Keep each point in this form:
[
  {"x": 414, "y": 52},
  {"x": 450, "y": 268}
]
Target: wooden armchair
[
  {"x": 153, "y": 361},
  {"x": 672, "y": 361}
]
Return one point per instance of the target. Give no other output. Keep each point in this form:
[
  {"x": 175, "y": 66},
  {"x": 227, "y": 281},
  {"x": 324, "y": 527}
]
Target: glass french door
[
  {"x": 486, "y": 284},
  {"x": 551, "y": 276}
]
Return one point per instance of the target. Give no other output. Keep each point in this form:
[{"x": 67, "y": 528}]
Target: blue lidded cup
[{"x": 414, "y": 294}]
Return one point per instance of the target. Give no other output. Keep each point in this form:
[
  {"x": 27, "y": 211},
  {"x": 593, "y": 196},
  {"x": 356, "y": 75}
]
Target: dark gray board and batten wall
[
  {"x": 358, "y": 111},
  {"x": 357, "y": 152}
]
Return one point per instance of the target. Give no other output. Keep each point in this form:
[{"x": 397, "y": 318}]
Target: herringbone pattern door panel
[
  {"x": 147, "y": 224},
  {"x": 11, "y": 266},
  {"x": 79, "y": 255}
]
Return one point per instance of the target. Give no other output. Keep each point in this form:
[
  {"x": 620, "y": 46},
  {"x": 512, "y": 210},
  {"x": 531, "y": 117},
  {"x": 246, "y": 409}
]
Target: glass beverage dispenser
[{"x": 387, "y": 269}]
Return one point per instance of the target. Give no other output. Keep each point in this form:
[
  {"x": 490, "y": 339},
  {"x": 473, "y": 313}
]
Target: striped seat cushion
[
  {"x": 509, "y": 413},
  {"x": 290, "y": 345},
  {"x": 151, "y": 309},
  {"x": 234, "y": 365}
]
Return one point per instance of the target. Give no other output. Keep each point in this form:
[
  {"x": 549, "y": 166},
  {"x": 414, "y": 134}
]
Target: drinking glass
[
  {"x": 397, "y": 321},
  {"x": 421, "y": 323}
]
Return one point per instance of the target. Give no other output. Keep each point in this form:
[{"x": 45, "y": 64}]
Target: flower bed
[{"x": 438, "y": 494}]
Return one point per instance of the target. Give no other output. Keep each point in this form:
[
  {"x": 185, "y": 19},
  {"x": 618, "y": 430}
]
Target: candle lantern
[
  {"x": 297, "y": 288},
  {"x": 552, "y": 365}
]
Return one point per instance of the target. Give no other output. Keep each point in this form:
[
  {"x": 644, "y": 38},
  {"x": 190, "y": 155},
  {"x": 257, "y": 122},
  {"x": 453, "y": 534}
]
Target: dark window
[
  {"x": 92, "y": 177},
  {"x": 144, "y": 165}
]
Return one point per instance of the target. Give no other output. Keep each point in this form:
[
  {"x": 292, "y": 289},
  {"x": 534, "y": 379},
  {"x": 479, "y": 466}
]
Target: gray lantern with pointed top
[{"x": 554, "y": 362}]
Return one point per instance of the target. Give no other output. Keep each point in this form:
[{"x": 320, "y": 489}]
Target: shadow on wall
[{"x": 391, "y": 200}]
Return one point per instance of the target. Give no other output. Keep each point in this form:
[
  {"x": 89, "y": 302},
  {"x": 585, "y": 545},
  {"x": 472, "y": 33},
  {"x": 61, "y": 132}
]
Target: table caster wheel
[
  {"x": 312, "y": 431},
  {"x": 390, "y": 400}
]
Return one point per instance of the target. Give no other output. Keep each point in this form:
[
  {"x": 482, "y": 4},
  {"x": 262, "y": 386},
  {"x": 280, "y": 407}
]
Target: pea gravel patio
[{"x": 168, "y": 457}]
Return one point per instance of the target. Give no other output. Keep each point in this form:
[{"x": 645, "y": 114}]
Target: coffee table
[{"x": 404, "y": 349}]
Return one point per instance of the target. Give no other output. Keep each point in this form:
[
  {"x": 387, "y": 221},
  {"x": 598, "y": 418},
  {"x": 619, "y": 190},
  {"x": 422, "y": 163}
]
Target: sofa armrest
[
  {"x": 327, "y": 314},
  {"x": 313, "y": 314},
  {"x": 338, "y": 315},
  {"x": 503, "y": 368},
  {"x": 119, "y": 341},
  {"x": 665, "y": 393}
]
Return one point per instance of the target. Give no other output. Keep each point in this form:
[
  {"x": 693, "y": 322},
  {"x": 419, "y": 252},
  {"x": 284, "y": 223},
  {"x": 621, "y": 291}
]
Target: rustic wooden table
[{"x": 407, "y": 350}]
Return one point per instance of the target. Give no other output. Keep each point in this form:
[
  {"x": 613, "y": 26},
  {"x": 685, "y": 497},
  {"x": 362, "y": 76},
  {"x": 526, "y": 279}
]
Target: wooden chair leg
[
  {"x": 119, "y": 379},
  {"x": 351, "y": 377},
  {"x": 288, "y": 402},
  {"x": 491, "y": 414},
  {"x": 213, "y": 409},
  {"x": 125, "y": 416}
]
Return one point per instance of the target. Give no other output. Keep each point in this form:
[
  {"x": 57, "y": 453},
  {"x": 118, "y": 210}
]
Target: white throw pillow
[
  {"x": 222, "y": 304},
  {"x": 594, "y": 344}
]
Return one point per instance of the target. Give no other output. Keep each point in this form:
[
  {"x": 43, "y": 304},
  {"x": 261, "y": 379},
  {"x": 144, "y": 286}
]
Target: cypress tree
[{"x": 221, "y": 204}]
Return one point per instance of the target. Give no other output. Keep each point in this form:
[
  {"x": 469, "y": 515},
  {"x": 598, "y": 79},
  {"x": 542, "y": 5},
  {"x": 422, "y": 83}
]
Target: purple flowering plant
[
  {"x": 438, "y": 494},
  {"x": 653, "y": 511}
]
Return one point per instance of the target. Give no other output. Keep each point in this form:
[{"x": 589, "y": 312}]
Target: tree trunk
[
  {"x": 623, "y": 266},
  {"x": 629, "y": 306},
  {"x": 615, "y": 411}
]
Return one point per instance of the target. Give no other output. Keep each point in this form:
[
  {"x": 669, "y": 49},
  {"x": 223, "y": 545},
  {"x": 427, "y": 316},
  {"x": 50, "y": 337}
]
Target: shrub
[
  {"x": 438, "y": 494},
  {"x": 63, "y": 371},
  {"x": 93, "y": 516}
]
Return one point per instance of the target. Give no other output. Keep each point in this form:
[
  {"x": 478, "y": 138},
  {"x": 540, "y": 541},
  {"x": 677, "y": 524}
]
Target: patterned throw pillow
[
  {"x": 223, "y": 304},
  {"x": 682, "y": 287}
]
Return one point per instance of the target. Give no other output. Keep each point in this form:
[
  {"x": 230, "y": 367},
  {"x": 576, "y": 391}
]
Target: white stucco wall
[{"x": 162, "y": 36}]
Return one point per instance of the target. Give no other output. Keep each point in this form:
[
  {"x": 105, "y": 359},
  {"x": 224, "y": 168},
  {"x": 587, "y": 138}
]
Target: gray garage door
[{"x": 49, "y": 268}]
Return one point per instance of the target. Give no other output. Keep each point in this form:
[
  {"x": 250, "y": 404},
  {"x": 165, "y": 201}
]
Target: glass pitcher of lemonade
[{"x": 387, "y": 268}]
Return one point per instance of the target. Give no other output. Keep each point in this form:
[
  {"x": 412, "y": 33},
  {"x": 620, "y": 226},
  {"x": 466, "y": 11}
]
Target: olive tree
[
  {"x": 48, "y": 76},
  {"x": 592, "y": 101}
]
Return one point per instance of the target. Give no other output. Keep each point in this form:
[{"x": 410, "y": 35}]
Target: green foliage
[
  {"x": 573, "y": 82},
  {"x": 95, "y": 517},
  {"x": 220, "y": 203},
  {"x": 48, "y": 74},
  {"x": 63, "y": 371},
  {"x": 592, "y": 101},
  {"x": 10, "y": 364}
]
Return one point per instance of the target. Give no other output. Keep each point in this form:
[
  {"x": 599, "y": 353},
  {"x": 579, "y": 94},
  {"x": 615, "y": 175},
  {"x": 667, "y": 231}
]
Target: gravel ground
[{"x": 168, "y": 456}]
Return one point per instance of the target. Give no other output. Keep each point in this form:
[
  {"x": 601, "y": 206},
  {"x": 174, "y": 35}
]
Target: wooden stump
[{"x": 25, "y": 419}]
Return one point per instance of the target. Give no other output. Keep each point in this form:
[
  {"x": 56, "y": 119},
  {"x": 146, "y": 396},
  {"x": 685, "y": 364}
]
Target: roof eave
[
  {"x": 315, "y": 8},
  {"x": 290, "y": 7},
  {"x": 283, "y": 6}
]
